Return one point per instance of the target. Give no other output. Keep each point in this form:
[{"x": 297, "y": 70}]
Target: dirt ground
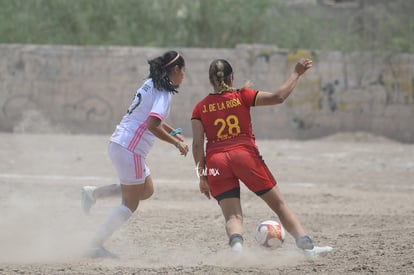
[{"x": 354, "y": 192}]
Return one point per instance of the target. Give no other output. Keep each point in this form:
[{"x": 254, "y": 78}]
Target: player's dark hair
[
  {"x": 219, "y": 74},
  {"x": 160, "y": 68}
]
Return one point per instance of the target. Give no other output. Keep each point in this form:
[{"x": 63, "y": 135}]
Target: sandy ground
[{"x": 352, "y": 192}]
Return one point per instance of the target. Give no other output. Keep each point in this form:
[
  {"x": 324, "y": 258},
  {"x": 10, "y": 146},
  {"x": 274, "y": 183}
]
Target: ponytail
[{"x": 219, "y": 74}]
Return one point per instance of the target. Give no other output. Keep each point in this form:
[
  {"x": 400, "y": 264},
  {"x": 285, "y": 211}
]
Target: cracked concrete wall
[{"x": 71, "y": 89}]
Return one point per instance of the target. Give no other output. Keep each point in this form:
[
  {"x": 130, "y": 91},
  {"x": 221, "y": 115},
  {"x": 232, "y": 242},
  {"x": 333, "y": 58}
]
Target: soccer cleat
[
  {"x": 88, "y": 199},
  {"x": 102, "y": 252},
  {"x": 317, "y": 251},
  {"x": 237, "y": 247},
  {"x": 236, "y": 242}
]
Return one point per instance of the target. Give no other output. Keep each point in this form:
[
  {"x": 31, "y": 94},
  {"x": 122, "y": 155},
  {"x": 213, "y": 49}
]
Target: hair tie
[{"x": 172, "y": 61}]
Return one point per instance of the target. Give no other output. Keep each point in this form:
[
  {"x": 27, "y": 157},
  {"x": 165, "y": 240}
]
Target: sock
[
  {"x": 117, "y": 218},
  {"x": 304, "y": 242},
  {"x": 235, "y": 238}
]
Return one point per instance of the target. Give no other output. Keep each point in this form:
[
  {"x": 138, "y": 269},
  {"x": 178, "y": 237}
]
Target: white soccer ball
[{"x": 270, "y": 234}]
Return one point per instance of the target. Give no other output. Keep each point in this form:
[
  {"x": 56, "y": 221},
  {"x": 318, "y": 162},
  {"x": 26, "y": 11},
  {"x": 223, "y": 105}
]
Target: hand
[
  {"x": 303, "y": 65},
  {"x": 204, "y": 188},
  {"x": 182, "y": 147}
]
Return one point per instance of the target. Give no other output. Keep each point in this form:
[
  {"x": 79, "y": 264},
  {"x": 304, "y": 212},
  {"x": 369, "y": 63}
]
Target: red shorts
[{"x": 225, "y": 169}]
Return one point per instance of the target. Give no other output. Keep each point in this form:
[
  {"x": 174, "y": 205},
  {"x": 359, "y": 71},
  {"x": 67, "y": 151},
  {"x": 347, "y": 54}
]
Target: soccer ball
[{"x": 270, "y": 234}]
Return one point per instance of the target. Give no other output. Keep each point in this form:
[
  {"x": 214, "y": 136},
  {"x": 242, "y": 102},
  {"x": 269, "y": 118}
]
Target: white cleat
[
  {"x": 237, "y": 247},
  {"x": 317, "y": 251},
  {"x": 88, "y": 199}
]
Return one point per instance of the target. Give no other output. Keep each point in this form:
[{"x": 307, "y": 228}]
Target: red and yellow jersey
[{"x": 226, "y": 119}]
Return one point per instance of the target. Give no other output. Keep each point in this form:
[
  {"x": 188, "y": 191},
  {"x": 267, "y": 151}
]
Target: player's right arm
[
  {"x": 268, "y": 98},
  {"x": 199, "y": 155},
  {"x": 155, "y": 126}
]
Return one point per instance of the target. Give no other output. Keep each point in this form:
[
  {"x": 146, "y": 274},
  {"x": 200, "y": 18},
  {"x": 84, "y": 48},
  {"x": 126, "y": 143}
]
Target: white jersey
[{"x": 132, "y": 132}]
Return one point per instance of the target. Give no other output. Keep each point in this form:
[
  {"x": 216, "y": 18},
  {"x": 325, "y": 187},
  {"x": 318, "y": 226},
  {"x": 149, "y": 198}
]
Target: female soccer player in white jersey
[{"x": 132, "y": 140}]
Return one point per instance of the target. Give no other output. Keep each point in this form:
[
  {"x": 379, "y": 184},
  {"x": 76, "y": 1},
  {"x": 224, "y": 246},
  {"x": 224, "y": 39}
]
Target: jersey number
[{"x": 231, "y": 123}]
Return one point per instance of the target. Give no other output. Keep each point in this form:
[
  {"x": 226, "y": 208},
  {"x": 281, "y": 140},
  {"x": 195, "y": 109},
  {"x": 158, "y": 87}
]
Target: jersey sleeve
[
  {"x": 196, "y": 112},
  {"x": 248, "y": 96},
  {"x": 161, "y": 106}
]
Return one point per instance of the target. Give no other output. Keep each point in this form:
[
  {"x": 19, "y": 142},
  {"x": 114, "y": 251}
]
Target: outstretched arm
[{"x": 268, "y": 98}]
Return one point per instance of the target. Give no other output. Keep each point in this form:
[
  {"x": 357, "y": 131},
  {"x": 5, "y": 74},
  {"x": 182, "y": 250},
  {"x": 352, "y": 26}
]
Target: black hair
[{"x": 161, "y": 66}]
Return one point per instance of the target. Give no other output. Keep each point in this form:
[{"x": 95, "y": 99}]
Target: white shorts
[{"x": 130, "y": 166}]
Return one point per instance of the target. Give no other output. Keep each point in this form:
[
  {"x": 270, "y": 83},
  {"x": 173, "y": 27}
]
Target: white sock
[{"x": 117, "y": 218}]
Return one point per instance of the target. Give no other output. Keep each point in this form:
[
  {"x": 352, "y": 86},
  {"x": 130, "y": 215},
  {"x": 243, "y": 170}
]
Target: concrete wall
[{"x": 68, "y": 89}]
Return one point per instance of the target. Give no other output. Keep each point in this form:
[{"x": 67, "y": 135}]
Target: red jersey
[{"x": 226, "y": 119}]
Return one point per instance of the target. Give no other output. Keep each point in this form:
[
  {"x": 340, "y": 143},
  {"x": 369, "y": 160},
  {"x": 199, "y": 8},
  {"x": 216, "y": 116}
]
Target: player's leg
[
  {"x": 225, "y": 188},
  {"x": 247, "y": 166},
  {"x": 233, "y": 217},
  {"x": 147, "y": 189},
  {"x": 115, "y": 220},
  {"x": 290, "y": 221},
  {"x": 111, "y": 190},
  {"x": 277, "y": 203},
  {"x": 131, "y": 195},
  {"x": 252, "y": 170},
  {"x": 91, "y": 193},
  {"x": 136, "y": 185}
]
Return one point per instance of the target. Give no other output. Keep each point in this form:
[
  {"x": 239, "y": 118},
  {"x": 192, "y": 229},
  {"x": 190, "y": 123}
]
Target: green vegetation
[{"x": 375, "y": 25}]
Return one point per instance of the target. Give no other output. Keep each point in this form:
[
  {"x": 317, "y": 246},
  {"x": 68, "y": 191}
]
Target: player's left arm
[
  {"x": 169, "y": 129},
  {"x": 282, "y": 92},
  {"x": 154, "y": 124}
]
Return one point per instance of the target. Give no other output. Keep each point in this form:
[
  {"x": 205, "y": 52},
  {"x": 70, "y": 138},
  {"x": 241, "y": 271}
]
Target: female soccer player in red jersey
[{"x": 231, "y": 155}]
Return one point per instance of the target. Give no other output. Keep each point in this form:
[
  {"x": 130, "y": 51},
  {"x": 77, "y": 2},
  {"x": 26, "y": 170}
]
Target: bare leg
[
  {"x": 277, "y": 203},
  {"x": 89, "y": 194},
  {"x": 132, "y": 194},
  {"x": 292, "y": 224},
  {"x": 111, "y": 190},
  {"x": 233, "y": 216}
]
